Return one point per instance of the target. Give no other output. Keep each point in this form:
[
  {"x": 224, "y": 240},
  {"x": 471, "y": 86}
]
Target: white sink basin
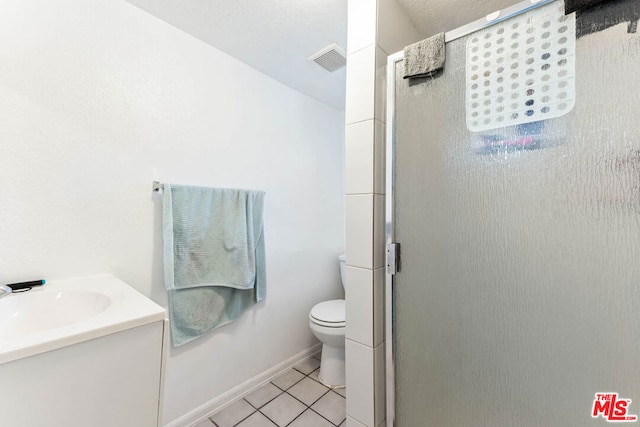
[
  {"x": 66, "y": 312},
  {"x": 27, "y": 313}
]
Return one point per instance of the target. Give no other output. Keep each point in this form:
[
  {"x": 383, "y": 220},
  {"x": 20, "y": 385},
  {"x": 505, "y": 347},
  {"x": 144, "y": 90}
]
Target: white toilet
[{"x": 326, "y": 321}]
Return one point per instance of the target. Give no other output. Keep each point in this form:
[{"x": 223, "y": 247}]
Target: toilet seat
[{"x": 330, "y": 314}]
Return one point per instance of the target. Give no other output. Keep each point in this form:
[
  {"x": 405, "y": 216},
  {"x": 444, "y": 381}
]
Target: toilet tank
[{"x": 343, "y": 261}]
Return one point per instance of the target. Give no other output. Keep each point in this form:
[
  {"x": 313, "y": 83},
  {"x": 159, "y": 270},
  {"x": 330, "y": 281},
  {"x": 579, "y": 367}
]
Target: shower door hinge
[{"x": 393, "y": 258}]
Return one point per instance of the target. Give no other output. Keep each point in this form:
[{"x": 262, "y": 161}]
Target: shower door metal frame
[{"x": 392, "y": 60}]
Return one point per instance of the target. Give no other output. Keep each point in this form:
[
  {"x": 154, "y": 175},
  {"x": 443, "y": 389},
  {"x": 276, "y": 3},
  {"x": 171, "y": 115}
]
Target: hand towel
[
  {"x": 214, "y": 256},
  {"x": 425, "y": 57}
]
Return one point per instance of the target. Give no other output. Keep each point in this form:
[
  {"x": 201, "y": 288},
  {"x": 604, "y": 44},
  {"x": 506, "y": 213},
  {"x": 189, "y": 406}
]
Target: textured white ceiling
[
  {"x": 277, "y": 36},
  {"x": 434, "y": 16},
  {"x": 273, "y": 36}
]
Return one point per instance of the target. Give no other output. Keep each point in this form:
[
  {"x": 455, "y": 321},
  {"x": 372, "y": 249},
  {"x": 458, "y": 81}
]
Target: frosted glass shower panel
[
  {"x": 521, "y": 70},
  {"x": 517, "y": 300}
]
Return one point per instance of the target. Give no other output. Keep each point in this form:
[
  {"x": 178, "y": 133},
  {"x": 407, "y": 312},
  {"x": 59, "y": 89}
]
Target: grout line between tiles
[
  {"x": 282, "y": 391},
  {"x": 247, "y": 415},
  {"x": 268, "y": 401},
  {"x": 360, "y": 121},
  {"x": 361, "y": 49},
  {"x": 291, "y": 384},
  {"x": 314, "y": 402},
  {"x": 365, "y": 194},
  {"x": 328, "y": 420},
  {"x": 267, "y": 417},
  {"x": 299, "y": 415}
]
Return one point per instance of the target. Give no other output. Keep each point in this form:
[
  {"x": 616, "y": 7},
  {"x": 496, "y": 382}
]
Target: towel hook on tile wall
[{"x": 157, "y": 187}]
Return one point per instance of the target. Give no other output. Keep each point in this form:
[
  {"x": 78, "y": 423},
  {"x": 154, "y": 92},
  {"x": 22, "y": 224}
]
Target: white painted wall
[{"x": 98, "y": 99}]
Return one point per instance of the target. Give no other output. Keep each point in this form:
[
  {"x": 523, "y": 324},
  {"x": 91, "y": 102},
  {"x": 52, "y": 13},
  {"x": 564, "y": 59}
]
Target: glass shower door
[{"x": 518, "y": 297}]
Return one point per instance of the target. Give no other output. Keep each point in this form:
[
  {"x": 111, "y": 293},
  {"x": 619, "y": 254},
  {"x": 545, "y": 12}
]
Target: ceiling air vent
[{"x": 331, "y": 58}]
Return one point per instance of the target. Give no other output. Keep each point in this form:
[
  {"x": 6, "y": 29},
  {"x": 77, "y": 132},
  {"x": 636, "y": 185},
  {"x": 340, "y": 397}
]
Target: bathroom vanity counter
[
  {"x": 81, "y": 352},
  {"x": 66, "y": 312}
]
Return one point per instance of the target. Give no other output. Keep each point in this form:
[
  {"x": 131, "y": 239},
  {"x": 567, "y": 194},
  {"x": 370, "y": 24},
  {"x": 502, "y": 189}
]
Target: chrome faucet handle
[{"x": 5, "y": 290}]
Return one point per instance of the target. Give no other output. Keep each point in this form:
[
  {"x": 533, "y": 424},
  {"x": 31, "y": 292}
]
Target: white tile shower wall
[
  {"x": 360, "y": 382},
  {"x": 359, "y": 305},
  {"x": 361, "y": 31},
  {"x": 360, "y": 152},
  {"x": 378, "y": 384},
  {"x": 365, "y": 110},
  {"x": 359, "y": 230},
  {"x": 361, "y": 79},
  {"x": 366, "y": 87},
  {"x": 360, "y": 115},
  {"x": 98, "y": 99},
  {"x": 379, "y": 252},
  {"x": 380, "y": 106},
  {"x": 378, "y": 306},
  {"x": 365, "y": 306},
  {"x": 379, "y": 178},
  {"x": 364, "y": 157}
]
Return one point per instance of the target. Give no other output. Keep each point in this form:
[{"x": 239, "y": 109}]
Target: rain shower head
[{"x": 331, "y": 58}]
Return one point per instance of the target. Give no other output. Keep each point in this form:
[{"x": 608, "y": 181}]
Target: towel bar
[{"x": 157, "y": 187}]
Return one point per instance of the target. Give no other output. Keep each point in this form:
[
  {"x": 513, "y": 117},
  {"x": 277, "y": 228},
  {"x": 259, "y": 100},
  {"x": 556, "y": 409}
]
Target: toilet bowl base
[{"x": 332, "y": 373}]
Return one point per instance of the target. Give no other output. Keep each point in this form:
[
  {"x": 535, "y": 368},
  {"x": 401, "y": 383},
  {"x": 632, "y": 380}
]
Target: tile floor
[{"x": 295, "y": 398}]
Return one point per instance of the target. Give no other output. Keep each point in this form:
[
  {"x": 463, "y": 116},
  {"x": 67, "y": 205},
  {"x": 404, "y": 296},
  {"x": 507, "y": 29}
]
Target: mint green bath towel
[{"x": 214, "y": 256}]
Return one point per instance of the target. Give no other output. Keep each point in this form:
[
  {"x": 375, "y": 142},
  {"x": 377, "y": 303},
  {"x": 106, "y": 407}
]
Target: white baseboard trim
[{"x": 219, "y": 402}]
